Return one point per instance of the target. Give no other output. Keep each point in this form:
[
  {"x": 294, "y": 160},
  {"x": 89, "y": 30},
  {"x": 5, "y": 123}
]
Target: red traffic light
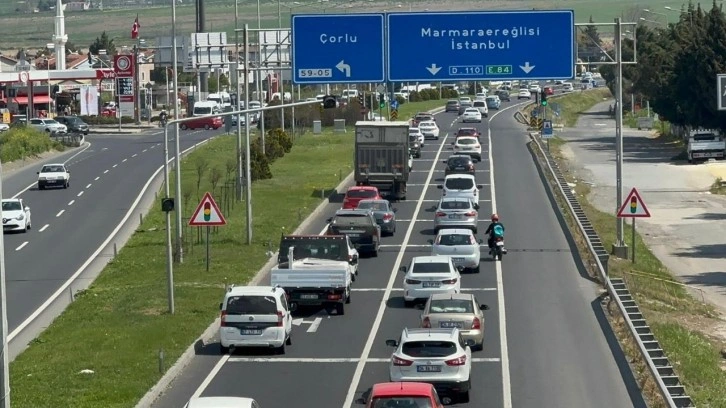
[
  {"x": 207, "y": 211},
  {"x": 633, "y": 205}
]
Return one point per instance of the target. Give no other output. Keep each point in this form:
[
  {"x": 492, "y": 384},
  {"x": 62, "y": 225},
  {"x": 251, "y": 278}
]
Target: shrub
[
  {"x": 260, "y": 165},
  {"x": 282, "y": 137},
  {"x": 273, "y": 148},
  {"x": 21, "y": 142}
]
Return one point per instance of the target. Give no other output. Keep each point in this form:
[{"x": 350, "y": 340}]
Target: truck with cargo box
[{"x": 381, "y": 157}]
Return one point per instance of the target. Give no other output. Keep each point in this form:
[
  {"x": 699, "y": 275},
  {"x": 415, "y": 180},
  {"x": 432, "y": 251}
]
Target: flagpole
[{"x": 137, "y": 77}]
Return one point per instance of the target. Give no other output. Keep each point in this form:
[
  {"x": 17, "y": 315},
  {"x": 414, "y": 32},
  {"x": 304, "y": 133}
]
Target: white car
[
  {"x": 222, "y": 402},
  {"x": 464, "y": 99},
  {"x": 4, "y": 127},
  {"x": 482, "y": 106},
  {"x": 437, "y": 356},
  {"x": 429, "y": 129},
  {"x": 461, "y": 245},
  {"x": 524, "y": 94},
  {"x": 480, "y": 96},
  {"x": 16, "y": 215},
  {"x": 427, "y": 275},
  {"x": 460, "y": 185},
  {"x": 567, "y": 87},
  {"x": 255, "y": 316},
  {"x": 414, "y": 131},
  {"x": 468, "y": 145},
  {"x": 534, "y": 88},
  {"x": 48, "y": 125},
  {"x": 54, "y": 175},
  {"x": 471, "y": 115}
]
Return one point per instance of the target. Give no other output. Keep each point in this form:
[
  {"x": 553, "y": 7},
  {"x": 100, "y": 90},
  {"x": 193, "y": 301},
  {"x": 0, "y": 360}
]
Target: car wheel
[
  {"x": 464, "y": 397},
  {"x": 289, "y": 339},
  {"x": 223, "y": 350},
  {"x": 184, "y": 127},
  {"x": 408, "y": 303},
  {"x": 207, "y": 127},
  {"x": 476, "y": 270},
  {"x": 41, "y": 187},
  {"x": 474, "y": 230},
  {"x": 340, "y": 309},
  {"x": 280, "y": 350},
  {"x": 347, "y": 297}
]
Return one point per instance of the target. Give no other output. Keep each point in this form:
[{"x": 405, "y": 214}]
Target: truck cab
[{"x": 704, "y": 144}]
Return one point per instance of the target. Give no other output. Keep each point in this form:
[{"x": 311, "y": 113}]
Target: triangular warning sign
[
  {"x": 633, "y": 206},
  {"x": 207, "y": 213},
  {"x": 547, "y": 124}
]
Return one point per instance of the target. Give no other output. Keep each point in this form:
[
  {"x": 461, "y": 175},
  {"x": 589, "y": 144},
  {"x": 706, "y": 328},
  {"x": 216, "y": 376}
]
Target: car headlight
[{"x": 20, "y": 217}]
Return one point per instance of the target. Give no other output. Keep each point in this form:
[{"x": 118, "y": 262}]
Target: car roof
[
  {"x": 10, "y": 200},
  {"x": 464, "y": 176},
  {"x": 456, "y": 231},
  {"x": 430, "y": 259},
  {"x": 401, "y": 388},
  {"x": 220, "y": 402},
  {"x": 54, "y": 164},
  {"x": 457, "y": 296},
  {"x": 252, "y": 290},
  {"x": 429, "y": 334}
]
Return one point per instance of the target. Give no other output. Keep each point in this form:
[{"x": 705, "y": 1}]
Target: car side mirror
[
  {"x": 27, "y": 208},
  {"x": 403, "y": 269},
  {"x": 484, "y": 307},
  {"x": 444, "y": 161},
  {"x": 391, "y": 343},
  {"x": 37, "y": 172},
  {"x": 430, "y": 241},
  {"x": 479, "y": 186},
  {"x": 220, "y": 306},
  {"x": 470, "y": 342},
  {"x": 329, "y": 220},
  {"x": 395, "y": 210},
  {"x": 440, "y": 187},
  {"x": 476, "y": 206}
]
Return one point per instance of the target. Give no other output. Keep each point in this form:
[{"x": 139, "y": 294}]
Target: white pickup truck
[
  {"x": 704, "y": 144},
  {"x": 313, "y": 281}
]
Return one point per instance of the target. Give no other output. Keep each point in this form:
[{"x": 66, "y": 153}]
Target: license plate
[
  {"x": 457, "y": 259},
  {"x": 467, "y": 148},
  {"x": 500, "y": 243},
  {"x": 459, "y": 168},
  {"x": 250, "y": 331},
  {"x": 449, "y": 325},
  {"x": 50, "y": 181},
  {"x": 431, "y": 284},
  {"x": 309, "y": 296},
  {"x": 428, "y": 369},
  {"x": 454, "y": 216}
]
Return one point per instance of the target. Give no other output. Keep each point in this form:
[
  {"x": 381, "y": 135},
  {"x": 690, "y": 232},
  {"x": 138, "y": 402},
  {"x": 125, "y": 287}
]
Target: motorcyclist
[
  {"x": 163, "y": 118},
  {"x": 491, "y": 230}
]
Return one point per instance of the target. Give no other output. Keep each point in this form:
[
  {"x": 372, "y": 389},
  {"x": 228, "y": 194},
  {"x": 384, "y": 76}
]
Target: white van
[
  {"x": 202, "y": 108},
  {"x": 460, "y": 185},
  {"x": 223, "y": 99}
]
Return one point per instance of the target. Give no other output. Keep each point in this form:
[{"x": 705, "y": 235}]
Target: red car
[
  {"x": 548, "y": 90},
  {"x": 467, "y": 131},
  {"x": 208, "y": 122},
  {"x": 355, "y": 194},
  {"x": 404, "y": 394}
]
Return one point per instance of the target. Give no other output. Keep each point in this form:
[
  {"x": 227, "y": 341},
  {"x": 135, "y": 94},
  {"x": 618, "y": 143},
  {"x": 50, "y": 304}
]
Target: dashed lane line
[
  {"x": 114, "y": 166},
  {"x": 97, "y": 177},
  {"x": 124, "y": 160},
  {"x": 105, "y": 171},
  {"x": 45, "y": 227},
  {"x": 88, "y": 186},
  {"x": 60, "y": 213},
  {"x": 334, "y": 360},
  {"x": 21, "y": 246},
  {"x": 79, "y": 194},
  {"x": 71, "y": 202}
]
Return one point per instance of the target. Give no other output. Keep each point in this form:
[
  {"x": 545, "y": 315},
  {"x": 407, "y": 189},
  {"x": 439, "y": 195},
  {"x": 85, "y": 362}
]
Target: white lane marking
[
  {"x": 35, "y": 183},
  {"x": 350, "y": 397},
  {"x": 424, "y": 185},
  {"x": 144, "y": 151},
  {"x": 97, "y": 177},
  {"x": 60, "y": 213},
  {"x": 124, "y": 160},
  {"x": 21, "y": 246},
  {"x": 79, "y": 194},
  {"x": 211, "y": 376},
  {"x": 401, "y": 289},
  {"x": 333, "y": 360},
  {"x": 89, "y": 185},
  {"x": 71, "y": 202},
  {"x": 45, "y": 227},
  {"x": 134, "y": 155},
  {"x": 64, "y": 288},
  {"x": 114, "y": 166},
  {"x": 105, "y": 171},
  {"x": 314, "y": 325},
  {"x": 153, "y": 146}
]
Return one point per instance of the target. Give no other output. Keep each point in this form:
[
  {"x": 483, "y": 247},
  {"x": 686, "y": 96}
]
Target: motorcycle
[{"x": 498, "y": 250}]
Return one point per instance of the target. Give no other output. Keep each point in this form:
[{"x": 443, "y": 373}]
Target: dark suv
[
  {"x": 74, "y": 124},
  {"x": 459, "y": 164},
  {"x": 452, "y": 106},
  {"x": 360, "y": 226}
]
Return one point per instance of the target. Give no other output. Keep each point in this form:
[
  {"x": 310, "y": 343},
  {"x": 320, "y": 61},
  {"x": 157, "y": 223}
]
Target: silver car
[
  {"x": 456, "y": 212},
  {"x": 383, "y": 212},
  {"x": 461, "y": 245},
  {"x": 460, "y": 311}
]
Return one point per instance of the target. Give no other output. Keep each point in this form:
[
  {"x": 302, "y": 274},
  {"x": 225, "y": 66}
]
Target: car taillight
[
  {"x": 449, "y": 281},
  {"x": 440, "y": 214},
  {"x": 223, "y": 318},
  {"x": 279, "y": 318},
  {"x": 472, "y": 240},
  {"x": 476, "y": 324},
  {"x": 387, "y": 217},
  {"x": 470, "y": 213},
  {"x": 413, "y": 281},
  {"x": 457, "y": 361},
  {"x": 477, "y": 146},
  {"x": 400, "y": 362},
  {"x": 350, "y": 258},
  {"x": 471, "y": 167},
  {"x": 426, "y": 324}
]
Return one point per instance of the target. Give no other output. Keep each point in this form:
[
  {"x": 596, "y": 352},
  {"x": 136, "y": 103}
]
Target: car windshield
[
  {"x": 401, "y": 402},
  {"x": 455, "y": 239},
  {"x": 52, "y": 169},
  {"x": 251, "y": 305},
  {"x": 429, "y": 348},
  {"x": 373, "y": 206},
  {"x": 451, "y": 306},
  {"x": 361, "y": 193},
  {"x": 480, "y": 103},
  {"x": 458, "y": 161},
  {"x": 423, "y": 117},
  {"x": 430, "y": 267},
  {"x": 413, "y": 137},
  {"x": 459, "y": 184},
  {"x": 11, "y": 206},
  {"x": 466, "y": 141},
  {"x": 455, "y": 205}
]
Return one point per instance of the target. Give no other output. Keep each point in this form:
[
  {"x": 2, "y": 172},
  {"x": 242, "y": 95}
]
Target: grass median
[
  {"x": 683, "y": 324},
  {"x": 572, "y": 105},
  {"x": 117, "y": 327}
]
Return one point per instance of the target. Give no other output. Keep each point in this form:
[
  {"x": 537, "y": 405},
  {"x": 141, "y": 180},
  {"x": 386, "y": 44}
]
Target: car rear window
[
  {"x": 351, "y": 220},
  {"x": 455, "y": 205},
  {"x": 51, "y": 169},
  {"x": 454, "y": 239},
  {"x": 251, "y": 305},
  {"x": 431, "y": 267},
  {"x": 466, "y": 132},
  {"x": 466, "y": 141},
  {"x": 361, "y": 193},
  {"x": 479, "y": 103},
  {"x": 12, "y": 206},
  {"x": 451, "y": 306},
  {"x": 429, "y": 348},
  {"x": 401, "y": 402},
  {"x": 373, "y": 205},
  {"x": 412, "y": 138},
  {"x": 458, "y": 161},
  {"x": 459, "y": 184},
  {"x": 452, "y": 102}
]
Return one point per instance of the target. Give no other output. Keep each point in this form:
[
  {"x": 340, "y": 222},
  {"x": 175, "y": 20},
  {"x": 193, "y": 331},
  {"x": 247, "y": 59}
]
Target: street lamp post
[
  {"x": 658, "y": 14},
  {"x": 177, "y": 153},
  {"x": 690, "y": 17}
]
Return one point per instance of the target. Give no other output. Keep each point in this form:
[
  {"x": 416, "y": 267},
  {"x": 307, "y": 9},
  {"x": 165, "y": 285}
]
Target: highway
[
  {"x": 69, "y": 225},
  {"x": 547, "y": 343}
]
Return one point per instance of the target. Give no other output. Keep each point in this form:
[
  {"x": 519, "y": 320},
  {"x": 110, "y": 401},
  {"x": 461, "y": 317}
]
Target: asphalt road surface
[
  {"x": 547, "y": 343},
  {"x": 69, "y": 225}
]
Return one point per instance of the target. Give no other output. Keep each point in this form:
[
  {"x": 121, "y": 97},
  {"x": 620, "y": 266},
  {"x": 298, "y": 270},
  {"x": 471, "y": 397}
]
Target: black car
[
  {"x": 459, "y": 164},
  {"x": 503, "y": 96},
  {"x": 452, "y": 106},
  {"x": 463, "y": 106},
  {"x": 74, "y": 124},
  {"x": 415, "y": 147},
  {"x": 360, "y": 226}
]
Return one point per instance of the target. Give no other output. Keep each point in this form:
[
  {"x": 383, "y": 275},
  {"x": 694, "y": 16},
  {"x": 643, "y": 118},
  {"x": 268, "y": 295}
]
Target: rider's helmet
[{"x": 495, "y": 218}]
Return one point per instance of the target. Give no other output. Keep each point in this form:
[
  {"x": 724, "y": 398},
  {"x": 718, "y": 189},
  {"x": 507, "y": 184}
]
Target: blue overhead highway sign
[
  {"x": 337, "y": 48},
  {"x": 497, "y": 45}
]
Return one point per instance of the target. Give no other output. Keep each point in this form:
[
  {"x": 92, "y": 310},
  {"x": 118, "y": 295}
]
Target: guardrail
[{"x": 668, "y": 383}]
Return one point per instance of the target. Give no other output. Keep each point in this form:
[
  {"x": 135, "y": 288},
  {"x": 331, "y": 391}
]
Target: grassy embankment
[
  {"x": 22, "y": 143},
  {"x": 117, "y": 327}
]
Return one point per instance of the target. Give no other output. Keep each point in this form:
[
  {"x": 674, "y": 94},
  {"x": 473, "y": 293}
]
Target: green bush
[
  {"x": 260, "y": 165},
  {"x": 282, "y": 137},
  {"x": 22, "y": 142},
  {"x": 273, "y": 148}
]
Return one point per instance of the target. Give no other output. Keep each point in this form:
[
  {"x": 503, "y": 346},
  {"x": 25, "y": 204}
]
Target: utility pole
[
  {"x": 177, "y": 160},
  {"x": 240, "y": 176},
  {"x": 620, "y": 249},
  {"x": 4, "y": 353},
  {"x": 248, "y": 157}
]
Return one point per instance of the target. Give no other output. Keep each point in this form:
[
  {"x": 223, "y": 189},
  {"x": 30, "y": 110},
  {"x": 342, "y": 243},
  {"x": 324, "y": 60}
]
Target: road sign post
[
  {"x": 207, "y": 215},
  {"x": 337, "y": 48},
  {"x": 547, "y": 132},
  {"x": 539, "y": 46},
  {"x": 633, "y": 207}
]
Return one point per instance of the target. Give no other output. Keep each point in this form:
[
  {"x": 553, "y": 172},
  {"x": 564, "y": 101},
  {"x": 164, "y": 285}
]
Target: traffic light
[
  {"x": 381, "y": 100},
  {"x": 207, "y": 211},
  {"x": 543, "y": 98},
  {"x": 167, "y": 205},
  {"x": 633, "y": 205},
  {"x": 329, "y": 102},
  {"x": 361, "y": 99}
]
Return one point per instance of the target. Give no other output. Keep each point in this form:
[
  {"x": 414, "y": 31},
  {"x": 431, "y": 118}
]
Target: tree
[{"x": 102, "y": 43}]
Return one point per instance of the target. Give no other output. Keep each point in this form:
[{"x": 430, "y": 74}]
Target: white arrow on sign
[
  {"x": 344, "y": 68},
  {"x": 314, "y": 324},
  {"x": 526, "y": 67},
  {"x": 433, "y": 69}
]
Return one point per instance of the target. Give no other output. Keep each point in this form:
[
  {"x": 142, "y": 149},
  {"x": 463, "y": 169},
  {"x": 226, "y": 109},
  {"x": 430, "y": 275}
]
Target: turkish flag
[{"x": 135, "y": 29}]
